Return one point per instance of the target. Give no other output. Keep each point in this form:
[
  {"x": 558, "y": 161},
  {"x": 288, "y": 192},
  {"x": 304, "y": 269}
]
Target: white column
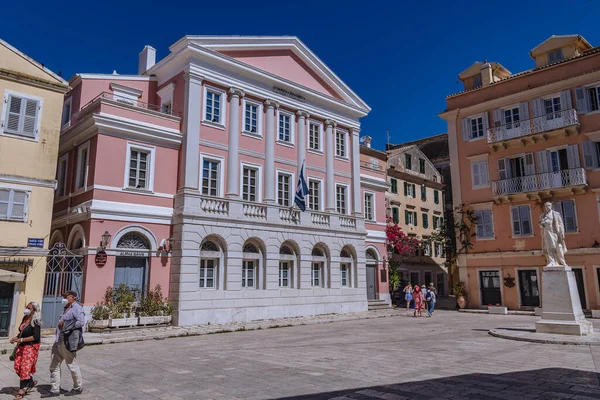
[
  {"x": 356, "y": 199},
  {"x": 233, "y": 163},
  {"x": 269, "y": 168},
  {"x": 329, "y": 179},
  {"x": 190, "y": 161},
  {"x": 301, "y": 138}
]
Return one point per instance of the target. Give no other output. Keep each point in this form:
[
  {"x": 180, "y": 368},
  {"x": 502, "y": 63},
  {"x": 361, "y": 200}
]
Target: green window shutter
[
  {"x": 423, "y": 193},
  {"x": 414, "y": 191},
  {"x": 405, "y": 189},
  {"x": 395, "y": 216},
  {"x": 406, "y": 217},
  {"x": 425, "y": 221},
  {"x": 415, "y": 218},
  {"x": 436, "y": 197}
]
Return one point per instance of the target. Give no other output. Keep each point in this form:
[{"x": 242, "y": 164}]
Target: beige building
[
  {"x": 415, "y": 202},
  {"x": 31, "y": 114},
  {"x": 517, "y": 141}
]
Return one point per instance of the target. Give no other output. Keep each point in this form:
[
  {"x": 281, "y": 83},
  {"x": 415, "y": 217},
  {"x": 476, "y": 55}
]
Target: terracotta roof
[{"x": 533, "y": 70}]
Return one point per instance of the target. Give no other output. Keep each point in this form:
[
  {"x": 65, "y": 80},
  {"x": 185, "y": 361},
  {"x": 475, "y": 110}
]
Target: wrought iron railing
[
  {"x": 129, "y": 101},
  {"x": 544, "y": 181},
  {"x": 545, "y": 123}
]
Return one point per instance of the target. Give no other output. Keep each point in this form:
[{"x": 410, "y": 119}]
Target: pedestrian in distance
[
  {"x": 418, "y": 299},
  {"x": 69, "y": 339},
  {"x": 27, "y": 348},
  {"x": 430, "y": 298},
  {"x": 408, "y": 295}
]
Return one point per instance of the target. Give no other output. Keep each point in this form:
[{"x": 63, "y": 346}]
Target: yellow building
[{"x": 31, "y": 114}]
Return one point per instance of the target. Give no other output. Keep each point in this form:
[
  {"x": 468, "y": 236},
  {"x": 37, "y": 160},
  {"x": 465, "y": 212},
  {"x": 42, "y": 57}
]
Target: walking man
[
  {"x": 432, "y": 298},
  {"x": 69, "y": 339}
]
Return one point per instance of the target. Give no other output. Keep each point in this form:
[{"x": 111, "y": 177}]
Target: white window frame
[
  {"x": 321, "y": 194},
  {"x": 319, "y": 125},
  {"x": 150, "y": 165},
  {"x": 222, "y": 103},
  {"x": 512, "y": 222},
  {"x": 487, "y": 174},
  {"x": 319, "y": 276},
  {"x": 5, "y": 109},
  {"x": 62, "y": 177},
  {"x": 346, "y": 155},
  {"x": 202, "y": 281},
  {"x": 259, "y": 189},
  {"x": 11, "y": 193},
  {"x": 259, "y": 113},
  {"x": 68, "y": 103},
  {"x": 293, "y": 182},
  {"x": 220, "y": 177},
  {"x": 254, "y": 277},
  {"x": 483, "y": 135},
  {"x": 345, "y": 267},
  {"x": 347, "y": 196},
  {"x": 511, "y": 109},
  {"x": 289, "y": 264},
  {"x": 292, "y": 128},
  {"x": 412, "y": 219},
  {"x": 80, "y": 149},
  {"x": 493, "y": 236},
  {"x": 373, "y": 215}
]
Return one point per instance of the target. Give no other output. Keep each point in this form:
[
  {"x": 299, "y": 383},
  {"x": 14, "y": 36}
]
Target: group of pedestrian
[
  {"x": 69, "y": 339},
  {"x": 422, "y": 297}
]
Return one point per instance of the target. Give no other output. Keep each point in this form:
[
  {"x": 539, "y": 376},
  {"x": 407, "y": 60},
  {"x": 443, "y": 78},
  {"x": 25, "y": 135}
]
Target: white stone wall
[{"x": 230, "y": 302}]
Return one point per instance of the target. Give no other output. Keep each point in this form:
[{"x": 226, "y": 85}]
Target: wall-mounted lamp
[
  {"x": 166, "y": 245},
  {"x": 105, "y": 240}
]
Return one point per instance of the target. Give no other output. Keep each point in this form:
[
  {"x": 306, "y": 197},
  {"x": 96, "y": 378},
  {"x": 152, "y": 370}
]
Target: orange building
[{"x": 517, "y": 141}]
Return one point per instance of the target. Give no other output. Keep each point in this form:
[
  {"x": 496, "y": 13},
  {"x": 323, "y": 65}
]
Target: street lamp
[{"x": 105, "y": 240}]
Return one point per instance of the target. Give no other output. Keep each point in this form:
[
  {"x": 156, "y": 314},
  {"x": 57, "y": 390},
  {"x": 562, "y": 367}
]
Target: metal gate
[{"x": 64, "y": 271}]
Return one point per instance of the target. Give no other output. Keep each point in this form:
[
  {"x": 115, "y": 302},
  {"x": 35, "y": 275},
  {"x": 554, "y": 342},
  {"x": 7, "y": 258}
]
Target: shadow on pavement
[{"x": 550, "y": 383}]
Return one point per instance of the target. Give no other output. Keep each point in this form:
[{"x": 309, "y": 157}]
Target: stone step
[
  {"x": 377, "y": 302},
  {"x": 378, "y": 306}
]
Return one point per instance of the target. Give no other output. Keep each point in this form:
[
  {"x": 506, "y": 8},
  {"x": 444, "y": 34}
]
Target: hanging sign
[{"x": 101, "y": 258}]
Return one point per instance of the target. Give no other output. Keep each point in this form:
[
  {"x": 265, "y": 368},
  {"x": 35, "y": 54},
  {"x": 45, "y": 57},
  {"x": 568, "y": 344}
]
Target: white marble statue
[{"x": 553, "y": 237}]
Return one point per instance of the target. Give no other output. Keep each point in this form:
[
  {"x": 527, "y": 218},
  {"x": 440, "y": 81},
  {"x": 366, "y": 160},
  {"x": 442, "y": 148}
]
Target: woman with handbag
[{"x": 27, "y": 348}]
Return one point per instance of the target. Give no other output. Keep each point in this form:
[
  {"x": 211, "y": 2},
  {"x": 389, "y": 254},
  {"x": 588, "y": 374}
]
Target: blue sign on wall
[{"x": 31, "y": 242}]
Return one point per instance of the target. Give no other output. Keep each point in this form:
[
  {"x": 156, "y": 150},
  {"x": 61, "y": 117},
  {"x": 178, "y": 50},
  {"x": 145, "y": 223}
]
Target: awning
[{"x": 11, "y": 276}]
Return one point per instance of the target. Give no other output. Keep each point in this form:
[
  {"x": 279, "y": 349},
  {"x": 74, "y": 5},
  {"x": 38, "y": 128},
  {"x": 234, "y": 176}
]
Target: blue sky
[{"x": 401, "y": 57}]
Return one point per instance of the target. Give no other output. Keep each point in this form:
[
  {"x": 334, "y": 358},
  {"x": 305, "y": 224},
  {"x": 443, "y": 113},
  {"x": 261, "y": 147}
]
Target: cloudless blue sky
[{"x": 401, "y": 57}]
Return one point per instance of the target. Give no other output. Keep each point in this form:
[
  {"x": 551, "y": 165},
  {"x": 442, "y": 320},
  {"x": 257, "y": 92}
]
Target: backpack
[{"x": 428, "y": 296}]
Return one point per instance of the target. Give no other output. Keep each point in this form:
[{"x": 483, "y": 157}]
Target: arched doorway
[{"x": 131, "y": 266}]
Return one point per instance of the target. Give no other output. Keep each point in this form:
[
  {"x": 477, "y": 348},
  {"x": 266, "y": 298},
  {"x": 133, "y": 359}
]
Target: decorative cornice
[
  {"x": 25, "y": 180},
  {"x": 190, "y": 75}
]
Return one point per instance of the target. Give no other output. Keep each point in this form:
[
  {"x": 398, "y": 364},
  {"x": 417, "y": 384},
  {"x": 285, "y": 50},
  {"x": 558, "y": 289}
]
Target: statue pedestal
[{"x": 561, "y": 308}]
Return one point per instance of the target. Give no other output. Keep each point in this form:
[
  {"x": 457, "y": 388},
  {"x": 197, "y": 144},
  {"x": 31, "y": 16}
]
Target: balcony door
[
  {"x": 559, "y": 161},
  {"x": 553, "y": 115}
]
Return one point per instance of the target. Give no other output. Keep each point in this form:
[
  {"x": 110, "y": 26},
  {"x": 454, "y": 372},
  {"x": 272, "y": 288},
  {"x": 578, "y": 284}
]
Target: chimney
[
  {"x": 486, "y": 74},
  {"x": 367, "y": 141},
  {"x": 147, "y": 59}
]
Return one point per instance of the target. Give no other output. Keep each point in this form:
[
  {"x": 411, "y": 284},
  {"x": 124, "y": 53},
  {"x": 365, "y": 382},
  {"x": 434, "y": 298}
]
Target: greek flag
[{"x": 301, "y": 190}]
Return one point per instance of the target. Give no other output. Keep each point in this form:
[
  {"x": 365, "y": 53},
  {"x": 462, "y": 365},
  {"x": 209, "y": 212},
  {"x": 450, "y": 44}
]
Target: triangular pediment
[
  {"x": 396, "y": 158},
  {"x": 558, "y": 41},
  {"x": 285, "y": 57},
  {"x": 14, "y": 60}
]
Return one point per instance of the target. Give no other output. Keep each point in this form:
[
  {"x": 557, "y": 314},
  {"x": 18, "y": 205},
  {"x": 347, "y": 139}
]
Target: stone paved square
[{"x": 449, "y": 356}]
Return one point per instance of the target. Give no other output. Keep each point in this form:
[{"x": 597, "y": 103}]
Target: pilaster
[
  {"x": 269, "y": 168},
  {"x": 233, "y": 164},
  {"x": 190, "y": 159},
  {"x": 356, "y": 198},
  {"x": 302, "y": 116},
  {"x": 329, "y": 153}
]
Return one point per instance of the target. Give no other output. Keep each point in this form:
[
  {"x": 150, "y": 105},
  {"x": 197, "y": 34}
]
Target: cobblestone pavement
[{"x": 448, "y": 356}]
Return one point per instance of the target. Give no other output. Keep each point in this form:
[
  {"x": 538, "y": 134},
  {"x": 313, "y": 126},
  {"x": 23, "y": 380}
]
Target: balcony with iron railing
[
  {"x": 540, "y": 185},
  {"x": 241, "y": 211},
  {"x": 533, "y": 130},
  {"x": 108, "y": 103}
]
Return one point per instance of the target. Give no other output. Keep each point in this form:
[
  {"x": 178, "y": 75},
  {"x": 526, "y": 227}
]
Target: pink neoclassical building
[{"x": 185, "y": 175}]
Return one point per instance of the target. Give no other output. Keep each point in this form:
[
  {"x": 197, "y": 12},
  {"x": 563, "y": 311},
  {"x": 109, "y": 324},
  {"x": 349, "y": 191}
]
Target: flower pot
[
  {"x": 462, "y": 302},
  {"x": 98, "y": 324},
  {"x": 119, "y": 322},
  {"x": 150, "y": 320}
]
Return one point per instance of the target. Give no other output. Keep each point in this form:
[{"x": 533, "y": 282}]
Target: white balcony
[
  {"x": 540, "y": 185},
  {"x": 540, "y": 128},
  {"x": 244, "y": 211}
]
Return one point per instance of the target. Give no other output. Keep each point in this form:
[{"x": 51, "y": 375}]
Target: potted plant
[
  {"x": 167, "y": 311},
  {"x": 459, "y": 291},
  {"x": 100, "y": 317},
  {"x": 122, "y": 307},
  {"x": 150, "y": 307}
]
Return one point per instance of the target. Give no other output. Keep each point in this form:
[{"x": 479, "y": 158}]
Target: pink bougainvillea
[{"x": 399, "y": 242}]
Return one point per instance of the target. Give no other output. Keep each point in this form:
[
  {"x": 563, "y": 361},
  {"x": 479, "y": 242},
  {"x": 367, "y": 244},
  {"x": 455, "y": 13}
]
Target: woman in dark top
[{"x": 28, "y": 348}]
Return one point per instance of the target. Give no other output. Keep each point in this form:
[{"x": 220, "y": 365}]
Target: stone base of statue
[{"x": 561, "y": 308}]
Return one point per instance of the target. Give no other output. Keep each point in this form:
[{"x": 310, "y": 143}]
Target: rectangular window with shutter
[
  {"x": 21, "y": 115},
  {"x": 552, "y": 108},
  {"x": 555, "y": 56},
  {"x": 83, "y": 158},
  {"x": 521, "y": 221},
  {"x": 394, "y": 186},
  {"x": 14, "y": 204},
  {"x": 407, "y": 161},
  {"x": 421, "y": 166},
  {"x": 566, "y": 208},
  {"x": 425, "y": 221},
  {"x": 594, "y": 98},
  {"x": 395, "y": 215},
  {"x": 436, "y": 197},
  {"x": 477, "y": 130},
  {"x": 512, "y": 118},
  {"x": 484, "y": 225},
  {"x": 369, "y": 207},
  {"x": 591, "y": 154},
  {"x": 423, "y": 193},
  {"x": 436, "y": 222},
  {"x": 479, "y": 174},
  {"x": 61, "y": 176}
]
